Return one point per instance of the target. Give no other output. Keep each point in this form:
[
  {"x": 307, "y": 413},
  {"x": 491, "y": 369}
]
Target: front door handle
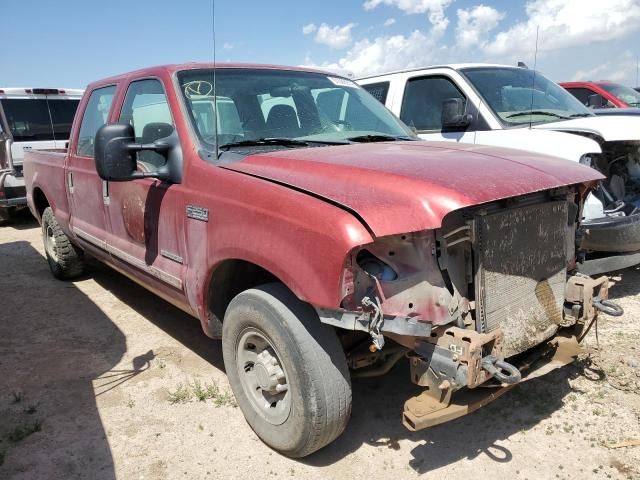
[{"x": 70, "y": 182}]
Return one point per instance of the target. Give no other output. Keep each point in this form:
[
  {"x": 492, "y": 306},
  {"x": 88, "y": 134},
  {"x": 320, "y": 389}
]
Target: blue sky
[{"x": 69, "y": 43}]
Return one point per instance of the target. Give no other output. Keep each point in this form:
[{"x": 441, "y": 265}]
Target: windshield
[
  {"x": 516, "y": 100},
  {"x": 301, "y": 107},
  {"x": 31, "y": 119},
  {"x": 626, "y": 94}
]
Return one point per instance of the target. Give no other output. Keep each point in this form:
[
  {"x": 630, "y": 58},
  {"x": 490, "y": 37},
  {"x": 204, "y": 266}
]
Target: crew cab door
[
  {"x": 85, "y": 189},
  {"x": 145, "y": 237}
]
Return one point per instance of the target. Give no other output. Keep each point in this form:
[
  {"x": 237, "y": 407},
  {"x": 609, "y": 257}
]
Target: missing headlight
[{"x": 375, "y": 267}]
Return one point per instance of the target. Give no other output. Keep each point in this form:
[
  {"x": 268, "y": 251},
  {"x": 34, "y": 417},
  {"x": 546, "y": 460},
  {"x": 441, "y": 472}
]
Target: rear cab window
[
  {"x": 95, "y": 116},
  {"x": 39, "y": 119}
]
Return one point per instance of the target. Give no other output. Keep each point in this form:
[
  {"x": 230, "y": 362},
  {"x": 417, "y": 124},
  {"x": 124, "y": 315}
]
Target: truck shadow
[
  {"x": 378, "y": 404},
  {"x": 54, "y": 342},
  {"x": 182, "y": 327},
  {"x": 21, "y": 220}
]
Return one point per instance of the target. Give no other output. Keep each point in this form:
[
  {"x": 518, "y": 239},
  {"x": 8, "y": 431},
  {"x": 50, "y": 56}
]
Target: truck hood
[
  {"x": 609, "y": 128},
  {"x": 400, "y": 187}
]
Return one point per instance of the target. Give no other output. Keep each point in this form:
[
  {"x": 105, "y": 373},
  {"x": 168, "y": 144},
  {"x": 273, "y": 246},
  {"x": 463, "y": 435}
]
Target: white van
[
  {"x": 514, "y": 107},
  {"x": 30, "y": 119}
]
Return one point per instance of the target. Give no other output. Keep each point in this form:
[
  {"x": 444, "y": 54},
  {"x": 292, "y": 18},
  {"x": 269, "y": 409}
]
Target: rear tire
[
  {"x": 5, "y": 215},
  {"x": 66, "y": 261},
  {"x": 287, "y": 370}
]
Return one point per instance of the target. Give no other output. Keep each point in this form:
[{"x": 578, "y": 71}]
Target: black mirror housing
[
  {"x": 115, "y": 160},
  {"x": 116, "y": 153},
  {"x": 454, "y": 113}
]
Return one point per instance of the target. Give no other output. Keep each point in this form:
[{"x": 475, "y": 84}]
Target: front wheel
[
  {"x": 65, "y": 260},
  {"x": 287, "y": 370}
]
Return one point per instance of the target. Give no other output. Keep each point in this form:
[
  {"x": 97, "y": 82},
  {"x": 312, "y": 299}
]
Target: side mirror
[
  {"x": 116, "y": 154},
  {"x": 454, "y": 113},
  {"x": 596, "y": 101}
]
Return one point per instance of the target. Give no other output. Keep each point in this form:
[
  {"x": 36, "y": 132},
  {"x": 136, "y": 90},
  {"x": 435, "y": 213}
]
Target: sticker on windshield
[{"x": 342, "y": 82}]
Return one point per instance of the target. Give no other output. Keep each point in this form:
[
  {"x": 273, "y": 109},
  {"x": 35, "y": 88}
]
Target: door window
[
  {"x": 422, "y": 103},
  {"x": 581, "y": 94},
  {"x": 146, "y": 109},
  {"x": 95, "y": 116}
]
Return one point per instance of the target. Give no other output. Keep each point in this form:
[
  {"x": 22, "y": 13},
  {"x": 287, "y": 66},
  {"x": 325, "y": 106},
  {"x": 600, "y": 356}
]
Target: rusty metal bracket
[
  {"x": 581, "y": 292},
  {"x": 426, "y": 410}
]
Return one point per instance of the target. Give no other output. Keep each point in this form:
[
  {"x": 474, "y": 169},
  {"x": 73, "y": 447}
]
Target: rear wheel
[
  {"x": 287, "y": 370},
  {"x": 5, "y": 214},
  {"x": 65, "y": 259}
]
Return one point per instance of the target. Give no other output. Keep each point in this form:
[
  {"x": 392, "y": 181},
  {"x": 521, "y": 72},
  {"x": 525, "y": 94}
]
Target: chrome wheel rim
[
  {"x": 50, "y": 243},
  {"x": 263, "y": 376}
]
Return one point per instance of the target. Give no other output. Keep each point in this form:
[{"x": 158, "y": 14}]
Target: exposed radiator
[{"x": 521, "y": 263}]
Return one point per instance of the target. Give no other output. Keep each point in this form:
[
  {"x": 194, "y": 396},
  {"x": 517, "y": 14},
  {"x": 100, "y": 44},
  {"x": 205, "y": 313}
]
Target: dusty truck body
[
  {"x": 30, "y": 119},
  {"x": 304, "y": 225},
  {"x": 515, "y": 107}
]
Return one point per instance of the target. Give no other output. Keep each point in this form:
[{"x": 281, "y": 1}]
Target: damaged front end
[{"x": 472, "y": 304}]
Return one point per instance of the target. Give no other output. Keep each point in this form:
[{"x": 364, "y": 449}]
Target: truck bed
[{"x": 44, "y": 172}]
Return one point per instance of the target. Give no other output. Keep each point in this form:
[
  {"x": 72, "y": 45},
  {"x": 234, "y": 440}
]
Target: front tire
[
  {"x": 287, "y": 370},
  {"x": 66, "y": 261}
]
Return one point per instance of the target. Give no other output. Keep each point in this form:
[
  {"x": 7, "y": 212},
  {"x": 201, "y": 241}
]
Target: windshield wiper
[
  {"x": 576, "y": 115},
  {"x": 376, "y": 138},
  {"x": 536, "y": 112},
  {"x": 287, "y": 142}
]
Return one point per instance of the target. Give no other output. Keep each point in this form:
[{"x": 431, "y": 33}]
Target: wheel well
[
  {"x": 40, "y": 201},
  {"x": 229, "y": 279}
]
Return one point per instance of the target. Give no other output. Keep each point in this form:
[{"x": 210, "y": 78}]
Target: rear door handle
[{"x": 105, "y": 193}]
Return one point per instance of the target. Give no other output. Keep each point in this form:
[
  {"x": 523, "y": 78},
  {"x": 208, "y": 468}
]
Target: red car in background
[{"x": 603, "y": 94}]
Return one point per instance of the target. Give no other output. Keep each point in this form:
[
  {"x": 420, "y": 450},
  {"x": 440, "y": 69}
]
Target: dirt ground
[{"x": 100, "y": 379}]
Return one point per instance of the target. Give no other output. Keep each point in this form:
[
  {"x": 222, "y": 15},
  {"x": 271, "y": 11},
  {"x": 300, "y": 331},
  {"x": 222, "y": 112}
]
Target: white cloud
[
  {"x": 389, "y": 21},
  {"x": 410, "y": 6},
  {"x": 566, "y": 26},
  {"x": 566, "y": 23},
  {"x": 474, "y": 25},
  {"x": 309, "y": 28},
  {"x": 334, "y": 37},
  {"x": 620, "y": 69},
  {"x": 227, "y": 46},
  {"x": 393, "y": 52},
  {"x": 434, "y": 8}
]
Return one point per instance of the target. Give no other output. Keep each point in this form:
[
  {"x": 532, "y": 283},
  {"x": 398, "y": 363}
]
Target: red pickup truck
[
  {"x": 307, "y": 227},
  {"x": 603, "y": 94}
]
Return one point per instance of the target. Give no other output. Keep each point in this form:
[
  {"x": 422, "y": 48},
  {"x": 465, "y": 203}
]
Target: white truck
[
  {"x": 30, "y": 119},
  {"x": 519, "y": 108}
]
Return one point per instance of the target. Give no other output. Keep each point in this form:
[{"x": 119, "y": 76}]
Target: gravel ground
[{"x": 103, "y": 380}]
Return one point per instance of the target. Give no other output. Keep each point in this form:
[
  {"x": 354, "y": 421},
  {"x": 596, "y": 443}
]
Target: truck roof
[
  {"x": 22, "y": 91},
  {"x": 452, "y": 66},
  {"x": 587, "y": 82},
  {"x": 176, "y": 67}
]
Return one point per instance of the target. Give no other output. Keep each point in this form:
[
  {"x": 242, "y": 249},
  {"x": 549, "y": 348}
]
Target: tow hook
[
  {"x": 501, "y": 370},
  {"x": 608, "y": 307}
]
